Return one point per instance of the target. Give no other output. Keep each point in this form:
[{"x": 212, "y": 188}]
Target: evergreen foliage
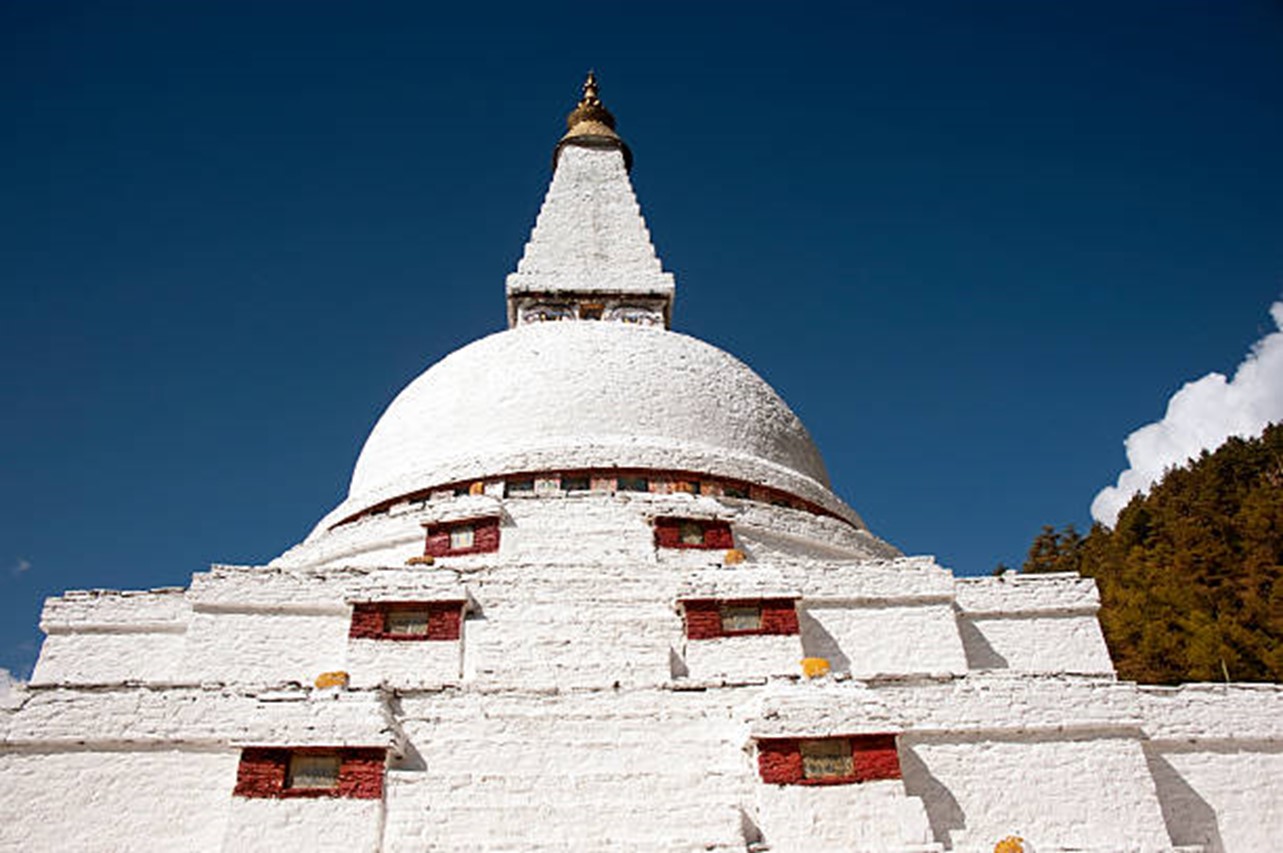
[{"x": 1189, "y": 575}]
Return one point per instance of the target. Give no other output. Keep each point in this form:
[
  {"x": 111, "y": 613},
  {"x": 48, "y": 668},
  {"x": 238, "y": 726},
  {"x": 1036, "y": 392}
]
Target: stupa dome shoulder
[{"x": 578, "y": 395}]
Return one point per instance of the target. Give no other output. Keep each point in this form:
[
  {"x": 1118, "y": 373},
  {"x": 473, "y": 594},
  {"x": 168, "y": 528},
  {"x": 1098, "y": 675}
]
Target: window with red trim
[
  {"x": 453, "y": 538},
  {"x": 406, "y": 620},
  {"x": 828, "y": 761},
  {"x": 710, "y": 618},
  {"x": 692, "y": 533},
  {"x": 282, "y": 772}
]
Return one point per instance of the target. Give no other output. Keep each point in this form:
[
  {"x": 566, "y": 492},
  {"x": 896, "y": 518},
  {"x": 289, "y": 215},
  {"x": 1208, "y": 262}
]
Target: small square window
[
  {"x": 591, "y": 311},
  {"x": 734, "y": 492},
  {"x": 574, "y": 483},
  {"x": 460, "y": 491},
  {"x": 829, "y": 758},
  {"x": 462, "y": 536},
  {"x": 518, "y": 487},
  {"x": 632, "y": 484},
  {"x": 406, "y": 622},
  {"x": 309, "y": 770},
  {"x": 691, "y": 533},
  {"x": 741, "y": 617}
]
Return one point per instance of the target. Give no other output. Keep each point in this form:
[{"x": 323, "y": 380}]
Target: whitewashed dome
[{"x": 565, "y": 396}]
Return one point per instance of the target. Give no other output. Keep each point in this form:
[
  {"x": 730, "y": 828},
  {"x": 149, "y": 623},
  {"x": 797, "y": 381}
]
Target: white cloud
[
  {"x": 20, "y": 568},
  {"x": 1201, "y": 416}
]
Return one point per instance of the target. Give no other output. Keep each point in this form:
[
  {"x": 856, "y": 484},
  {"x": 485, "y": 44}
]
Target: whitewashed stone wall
[
  {"x": 101, "y": 657},
  {"x": 867, "y": 639},
  {"x": 587, "y": 770},
  {"x": 1059, "y": 791},
  {"x": 330, "y": 825},
  {"x": 573, "y": 713},
  {"x": 1032, "y": 623},
  {"x": 1216, "y": 755},
  {"x": 85, "y": 799},
  {"x": 874, "y": 816},
  {"x": 590, "y": 236},
  {"x": 743, "y": 659}
]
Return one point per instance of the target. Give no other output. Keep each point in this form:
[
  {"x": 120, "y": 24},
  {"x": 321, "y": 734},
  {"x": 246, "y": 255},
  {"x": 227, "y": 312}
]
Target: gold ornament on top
[
  {"x": 590, "y": 116},
  {"x": 591, "y": 125}
]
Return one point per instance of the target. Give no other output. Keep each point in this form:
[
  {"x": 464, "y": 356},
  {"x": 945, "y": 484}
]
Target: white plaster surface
[
  {"x": 573, "y": 714},
  {"x": 265, "y": 647},
  {"x": 1088, "y": 791},
  {"x": 573, "y": 771},
  {"x": 1036, "y": 643},
  {"x": 590, "y": 236},
  {"x": 326, "y": 824},
  {"x": 873, "y": 817},
  {"x": 103, "y": 610},
  {"x": 606, "y": 527},
  {"x": 403, "y": 664},
  {"x": 552, "y": 396},
  {"x": 1011, "y": 593},
  {"x": 1218, "y": 794},
  {"x": 109, "y": 657},
  {"x": 867, "y": 639},
  {"x": 114, "y": 800},
  {"x": 748, "y": 658},
  {"x": 1224, "y": 712},
  {"x": 123, "y": 716}
]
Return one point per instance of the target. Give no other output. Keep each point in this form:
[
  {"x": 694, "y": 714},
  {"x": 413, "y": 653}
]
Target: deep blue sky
[{"x": 972, "y": 244}]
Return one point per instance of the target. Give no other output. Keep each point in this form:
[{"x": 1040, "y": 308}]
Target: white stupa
[{"x": 590, "y": 590}]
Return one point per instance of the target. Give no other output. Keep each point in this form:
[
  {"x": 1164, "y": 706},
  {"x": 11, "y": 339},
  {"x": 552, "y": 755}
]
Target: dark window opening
[
  {"x": 518, "y": 487},
  {"x": 406, "y": 622},
  {"x": 737, "y": 618},
  {"x": 691, "y": 533},
  {"x": 312, "y": 770}
]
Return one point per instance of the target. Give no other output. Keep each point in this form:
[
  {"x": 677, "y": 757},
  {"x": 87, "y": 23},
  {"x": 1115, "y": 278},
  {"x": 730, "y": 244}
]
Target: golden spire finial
[
  {"x": 590, "y": 90},
  {"x": 590, "y": 111},
  {"x": 591, "y": 125}
]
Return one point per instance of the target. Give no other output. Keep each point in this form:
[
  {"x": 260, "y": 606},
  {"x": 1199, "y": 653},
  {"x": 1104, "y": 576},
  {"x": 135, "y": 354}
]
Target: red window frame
[
  {"x": 702, "y": 617},
  {"x": 369, "y": 620},
  {"x": 873, "y": 757},
  {"x": 485, "y": 537},
  {"x": 717, "y": 534},
  {"x": 262, "y": 773}
]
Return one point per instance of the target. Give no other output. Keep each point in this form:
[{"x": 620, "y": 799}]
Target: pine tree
[{"x": 1189, "y": 575}]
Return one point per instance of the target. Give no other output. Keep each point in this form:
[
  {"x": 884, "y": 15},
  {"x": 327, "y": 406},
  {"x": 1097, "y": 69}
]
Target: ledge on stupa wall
[
  {"x": 259, "y": 588},
  {"x": 1226, "y": 712},
  {"x": 133, "y": 715},
  {"x": 1013, "y": 593},
  {"x": 974, "y": 703},
  {"x": 106, "y": 610}
]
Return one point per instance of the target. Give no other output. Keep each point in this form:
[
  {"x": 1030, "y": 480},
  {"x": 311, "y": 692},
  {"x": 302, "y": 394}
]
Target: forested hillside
[{"x": 1189, "y": 575}]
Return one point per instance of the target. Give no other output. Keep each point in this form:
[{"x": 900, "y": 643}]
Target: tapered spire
[
  {"x": 591, "y": 125},
  {"x": 590, "y": 256}
]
